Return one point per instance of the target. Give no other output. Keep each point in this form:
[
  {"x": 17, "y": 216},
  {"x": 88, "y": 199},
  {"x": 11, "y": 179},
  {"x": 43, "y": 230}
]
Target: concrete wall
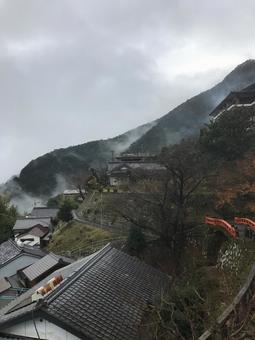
[
  {"x": 46, "y": 330},
  {"x": 23, "y": 238},
  {"x": 136, "y": 165}
]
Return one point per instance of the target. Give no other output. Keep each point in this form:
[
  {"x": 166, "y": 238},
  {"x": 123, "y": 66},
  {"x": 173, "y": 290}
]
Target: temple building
[{"x": 243, "y": 98}]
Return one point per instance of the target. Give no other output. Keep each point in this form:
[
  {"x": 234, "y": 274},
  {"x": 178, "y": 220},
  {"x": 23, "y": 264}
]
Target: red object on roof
[
  {"x": 221, "y": 223},
  {"x": 245, "y": 221}
]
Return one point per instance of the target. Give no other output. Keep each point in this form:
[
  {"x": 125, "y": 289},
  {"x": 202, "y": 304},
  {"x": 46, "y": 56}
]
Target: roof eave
[{"x": 43, "y": 312}]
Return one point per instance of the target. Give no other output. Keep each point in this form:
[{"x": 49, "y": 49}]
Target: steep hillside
[
  {"x": 40, "y": 176},
  {"x": 188, "y": 117}
]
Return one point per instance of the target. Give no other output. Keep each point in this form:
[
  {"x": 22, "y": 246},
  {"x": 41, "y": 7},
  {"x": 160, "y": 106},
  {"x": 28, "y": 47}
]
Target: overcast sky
[{"x": 77, "y": 70}]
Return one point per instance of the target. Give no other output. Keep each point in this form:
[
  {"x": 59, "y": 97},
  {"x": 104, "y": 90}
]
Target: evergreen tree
[
  {"x": 65, "y": 211},
  {"x": 8, "y": 216}
]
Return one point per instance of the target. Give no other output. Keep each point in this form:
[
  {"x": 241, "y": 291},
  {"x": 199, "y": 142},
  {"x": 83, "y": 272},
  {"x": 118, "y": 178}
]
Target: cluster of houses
[
  {"x": 102, "y": 296},
  {"x": 26, "y": 252},
  {"x": 35, "y": 229},
  {"x": 47, "y": 296}
]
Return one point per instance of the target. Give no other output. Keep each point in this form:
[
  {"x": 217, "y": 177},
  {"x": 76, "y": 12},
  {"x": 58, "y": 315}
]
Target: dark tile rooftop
[
  {"x": 65, "y": 272},
  {"x": 245, "y": 96},
  {"x": 28, "y": 223},
  {"x": 38, "y": 231},
  {"x": 34, "y": 251},
  {"x": 40, "y": 212},
  {"x": 108, "y": 297},
  {"x": 105, "y": 298},
  {"x": 8, "y": 250}
]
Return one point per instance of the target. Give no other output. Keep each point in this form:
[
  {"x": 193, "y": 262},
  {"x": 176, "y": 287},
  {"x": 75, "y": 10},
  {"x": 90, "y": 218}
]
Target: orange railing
[
  {"x": 223, "y": 224},
  {"x": 245, "y": 221}
]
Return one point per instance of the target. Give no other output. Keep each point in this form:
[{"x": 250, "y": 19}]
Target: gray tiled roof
[
  {"x": 244, "y": 96},
  {"x": 9, "y": 250},
  {"x": 40, "y": 212},
  {"x": 43, "y": 265},
  {"x": 106, "y": 298},
  {"x": 28, "y": 223},
  {"x": 35, "y": 251},
  {"x": 65, "y": 272}
]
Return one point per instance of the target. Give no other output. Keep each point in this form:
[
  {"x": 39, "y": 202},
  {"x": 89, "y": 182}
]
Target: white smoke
[
  {"x": 21, "y": 200},
  {"x": 25, "y": 202},
  {"x": 130, "y": 137}
]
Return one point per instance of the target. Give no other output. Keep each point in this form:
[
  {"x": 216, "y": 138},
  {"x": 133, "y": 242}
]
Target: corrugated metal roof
[
  {"x": 28, "y": 223},
  {"x": 42, "y": 266}
]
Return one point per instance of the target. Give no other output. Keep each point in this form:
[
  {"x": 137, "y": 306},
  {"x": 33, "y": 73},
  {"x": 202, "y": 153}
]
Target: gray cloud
[{"x": 74, "y": 70}]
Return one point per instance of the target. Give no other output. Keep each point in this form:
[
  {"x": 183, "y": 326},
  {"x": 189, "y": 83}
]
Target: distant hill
[{"x": 40, "y": 176}]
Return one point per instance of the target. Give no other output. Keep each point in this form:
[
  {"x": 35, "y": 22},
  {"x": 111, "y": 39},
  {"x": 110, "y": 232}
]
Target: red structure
[
  {"x": 245, "y": 221},
  {"x": 223, "y": 224}
]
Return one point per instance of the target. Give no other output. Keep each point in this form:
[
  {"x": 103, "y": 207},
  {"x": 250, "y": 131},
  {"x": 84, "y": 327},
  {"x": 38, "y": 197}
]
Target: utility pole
[
  {"x": 112, "y": 155},
  {"x": 101, "y": 217}
]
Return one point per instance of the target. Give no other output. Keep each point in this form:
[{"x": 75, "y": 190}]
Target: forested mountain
[
  {"x": 39, "y": 177},
  {"x": 187, "y": 118}
]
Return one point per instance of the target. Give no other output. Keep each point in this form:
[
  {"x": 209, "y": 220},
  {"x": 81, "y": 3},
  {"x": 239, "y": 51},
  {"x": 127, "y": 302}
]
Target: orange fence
[
  {"x": 245, "y": 221},
  {"x": 223, "y": 224}
]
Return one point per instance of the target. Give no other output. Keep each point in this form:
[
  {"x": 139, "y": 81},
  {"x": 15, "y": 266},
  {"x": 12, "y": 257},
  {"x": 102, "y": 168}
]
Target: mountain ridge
[
  {"x": 39, "y": 177},
  {"x": 243, "y": 75}
]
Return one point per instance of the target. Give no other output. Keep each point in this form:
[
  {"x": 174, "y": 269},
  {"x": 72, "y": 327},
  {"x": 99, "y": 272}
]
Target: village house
[
  {"x": 102, "y": 296},
  {"x": 33, "y": 274},
  {"x": 120, "y": 168},
  {"x": 14, "y": 257},
  {"x": 33, "y": 231},
  {"x": 23, "y": 267},
  {"x": 44, "y": 212},
  {"x": 72, "y": 193},
  {"x": 243, "y": 98}
]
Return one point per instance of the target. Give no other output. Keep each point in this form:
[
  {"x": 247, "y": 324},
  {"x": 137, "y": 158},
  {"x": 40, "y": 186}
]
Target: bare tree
[{"x": 163, "y": 208}]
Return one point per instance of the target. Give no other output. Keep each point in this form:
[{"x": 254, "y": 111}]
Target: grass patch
[{"x": 73, "y": 235}]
